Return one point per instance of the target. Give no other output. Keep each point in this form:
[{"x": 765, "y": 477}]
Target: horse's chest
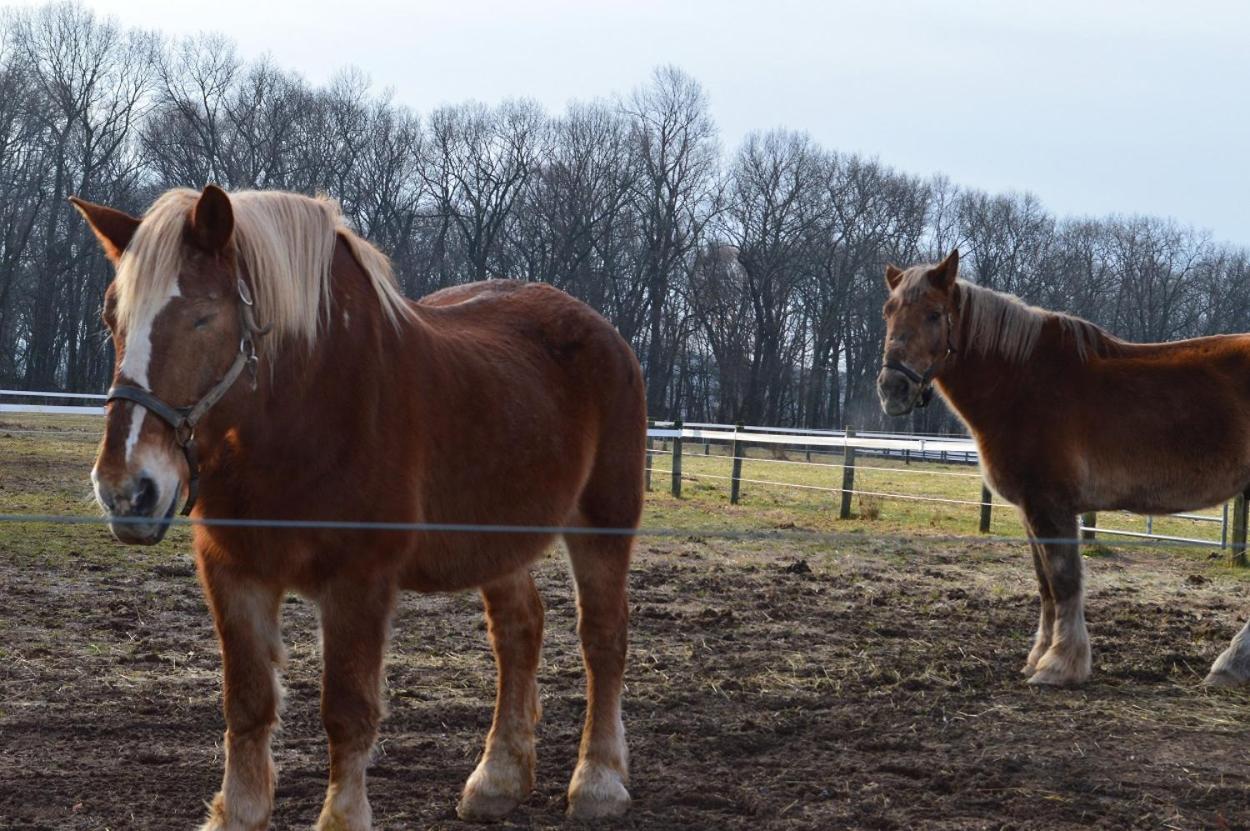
[{"x": 1003, "y": 483}]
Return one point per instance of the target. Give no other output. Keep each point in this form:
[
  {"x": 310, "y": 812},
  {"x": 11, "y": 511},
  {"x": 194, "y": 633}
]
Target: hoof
[
  {"x": 1050, "y": 677},
  {"x": 493, "y": 791},
  {"x": 597, "y": 792},
  {"x": 484, "y": 807},
  {"x": 1067, "y": 668},
  {"x": 1027, "y": 670},
  {"x": 1220, "y": 678},
  {"x": 218, "y": 820},
  {"x": 339, "y": 821}
]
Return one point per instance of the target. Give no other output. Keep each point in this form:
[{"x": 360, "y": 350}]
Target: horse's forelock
[{"x": 285, "y": 241}]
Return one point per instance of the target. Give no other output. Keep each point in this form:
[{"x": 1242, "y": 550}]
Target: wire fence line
[
  {"x": 773, "y": 534},
  {"x": 847, "y": 443}
]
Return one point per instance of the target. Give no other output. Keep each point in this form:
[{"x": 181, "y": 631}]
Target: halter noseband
[
  {"x": 184, "y": 419},
  {"x": 924, "y": 381}
]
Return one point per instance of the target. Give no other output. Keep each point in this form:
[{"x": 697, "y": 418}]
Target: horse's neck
[
  {"x": 985, "y": 388},
  {"x": 355, "y": 375}
]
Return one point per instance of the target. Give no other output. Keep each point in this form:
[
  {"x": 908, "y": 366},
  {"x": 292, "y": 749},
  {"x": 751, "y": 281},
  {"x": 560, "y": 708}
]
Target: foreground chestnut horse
[
  {"x": 313, "y": 391},
  {"x": 1069, "y": 419}
]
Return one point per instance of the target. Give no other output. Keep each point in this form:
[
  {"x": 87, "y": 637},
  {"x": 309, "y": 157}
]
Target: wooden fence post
[
  {"x": 1239, "y": 530},
  {"x": 650, "y": 455},
  {"x": 1090, "y": 523},
  {"x": 848, "y": 475},
  {"x": 987, "y": 504},
  {"x": 677, "y": 459},
  {"x": 735, "y": 484}
]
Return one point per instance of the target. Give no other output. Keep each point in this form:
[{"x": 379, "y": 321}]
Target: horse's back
[
  {"x": 533, "y": 398},
  {"x": 537, "y": 328}
]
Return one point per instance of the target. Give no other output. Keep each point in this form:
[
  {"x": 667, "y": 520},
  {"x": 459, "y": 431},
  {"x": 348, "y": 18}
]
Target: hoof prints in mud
[{"x": 870, "y": 687}]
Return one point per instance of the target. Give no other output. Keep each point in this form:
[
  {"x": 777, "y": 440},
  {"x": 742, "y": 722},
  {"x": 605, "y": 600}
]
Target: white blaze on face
[{"x": 135, "y": 362}]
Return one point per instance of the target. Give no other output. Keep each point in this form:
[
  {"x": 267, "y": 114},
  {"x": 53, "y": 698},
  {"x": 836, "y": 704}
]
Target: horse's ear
[
  {"x": 892, "y": 275},
  {"x": 113, "y": 228},
  {"x": 944, "y": 273},
  {"x": 212, "y": 220}
]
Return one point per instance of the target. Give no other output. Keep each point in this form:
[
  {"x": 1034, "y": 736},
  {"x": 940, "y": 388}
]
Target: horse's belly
[
  {"x": 462, "y": 560},
  {"x": 1163, "y": 488}
]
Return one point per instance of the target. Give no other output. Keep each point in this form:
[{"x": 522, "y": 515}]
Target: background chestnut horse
[
  {"x": 1069, "y": 419},
  {"x": 495, "y": 403}
]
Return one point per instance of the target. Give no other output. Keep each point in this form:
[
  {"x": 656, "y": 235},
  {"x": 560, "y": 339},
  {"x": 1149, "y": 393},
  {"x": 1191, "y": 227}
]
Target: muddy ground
[{"x": 870, "y": 684}]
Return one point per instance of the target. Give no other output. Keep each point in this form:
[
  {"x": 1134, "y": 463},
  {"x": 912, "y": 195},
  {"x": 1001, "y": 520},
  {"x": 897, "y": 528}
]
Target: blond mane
[
  {"x": 1002, "y": 324},
  {"x": 284, "y": 240}
]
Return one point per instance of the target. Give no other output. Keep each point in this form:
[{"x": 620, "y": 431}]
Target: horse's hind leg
[
  {"x": 1066, "y": 660},
  {"x": 505, "y": 776},
  {"x": 355, "y": 623},
  {"x": 245, "y": 612},
  {"x": 600, "y": 567},
  {"x": 1232, "y": 668}
]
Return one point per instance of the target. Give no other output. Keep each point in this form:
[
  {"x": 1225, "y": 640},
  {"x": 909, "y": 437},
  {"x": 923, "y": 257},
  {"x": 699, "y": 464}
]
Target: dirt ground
[{"x": 871, "y": 684}]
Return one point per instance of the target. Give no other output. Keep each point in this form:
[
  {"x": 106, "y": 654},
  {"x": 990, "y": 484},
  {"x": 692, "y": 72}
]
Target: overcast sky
[{"x": 1097, "y": 107}]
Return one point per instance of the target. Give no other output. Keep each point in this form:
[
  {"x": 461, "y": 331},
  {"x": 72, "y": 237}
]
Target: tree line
[{"x": 748, "y": 282}]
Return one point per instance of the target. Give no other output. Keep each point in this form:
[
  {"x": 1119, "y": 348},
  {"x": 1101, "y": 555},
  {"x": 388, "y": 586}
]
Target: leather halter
[
  {"x": 924, "y": 382},
  {"x": 184, "y": 419}
]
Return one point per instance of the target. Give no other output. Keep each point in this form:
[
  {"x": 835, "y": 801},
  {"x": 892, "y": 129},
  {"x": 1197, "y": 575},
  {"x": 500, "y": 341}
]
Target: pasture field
[{"x": 868, "y": 679}]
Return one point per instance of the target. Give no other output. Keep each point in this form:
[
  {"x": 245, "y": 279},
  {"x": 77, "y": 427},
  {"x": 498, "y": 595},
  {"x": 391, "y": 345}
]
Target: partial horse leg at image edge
[
  {"x": 505, "y": 775},
  {"x": 1232, "y": 668}
]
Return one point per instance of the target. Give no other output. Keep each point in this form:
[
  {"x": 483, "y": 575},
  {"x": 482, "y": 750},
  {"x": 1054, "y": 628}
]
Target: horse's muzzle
[
  {"x": 898, "y": 393},
  {"x": 138, "y": 513}
]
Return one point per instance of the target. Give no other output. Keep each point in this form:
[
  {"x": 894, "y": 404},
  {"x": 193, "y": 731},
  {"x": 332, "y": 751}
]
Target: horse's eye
[
  {"x": 201, "y": 322},
  {"x": 934, "y": 317}
]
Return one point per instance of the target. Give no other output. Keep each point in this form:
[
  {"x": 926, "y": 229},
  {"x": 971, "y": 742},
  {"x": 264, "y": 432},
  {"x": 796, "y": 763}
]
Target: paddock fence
[
  {"x": 923, "y": 455},
  {"x": 848, "y": 451}
]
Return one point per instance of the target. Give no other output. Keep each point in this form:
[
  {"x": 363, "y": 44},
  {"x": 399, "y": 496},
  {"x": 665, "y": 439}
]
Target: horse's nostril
[
  {"x": 894, "y": 385},
  {"x": 144, "y": 499}
]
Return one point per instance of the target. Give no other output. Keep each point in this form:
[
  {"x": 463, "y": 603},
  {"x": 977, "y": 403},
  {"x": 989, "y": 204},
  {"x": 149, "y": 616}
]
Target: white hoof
[
  {"x": 1220, "y": 678},
  {"x": 336, "y": 820},
  {"x": 596, "y": 792},
  {"x": 1232, "y": 668},
  {"x": 1057, "y": 669},
  {"x": 494, "y": 790},
  {"x": 219, "y": 820}
]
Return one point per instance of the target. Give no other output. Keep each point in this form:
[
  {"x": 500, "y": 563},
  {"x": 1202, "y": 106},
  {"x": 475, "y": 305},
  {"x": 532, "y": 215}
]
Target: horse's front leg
[
  {"x": 245, "y": 612},
  {"x": 1046, "y": 617},
  {"x": 355, "y": 624},
  {"x": 505, "y": 776},
  {"x": 1066, "y": 660},
  {"x": 1232, "y": 668}
]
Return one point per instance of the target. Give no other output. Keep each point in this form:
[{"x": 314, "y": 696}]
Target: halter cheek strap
[{"x": 183, "y": 420}]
